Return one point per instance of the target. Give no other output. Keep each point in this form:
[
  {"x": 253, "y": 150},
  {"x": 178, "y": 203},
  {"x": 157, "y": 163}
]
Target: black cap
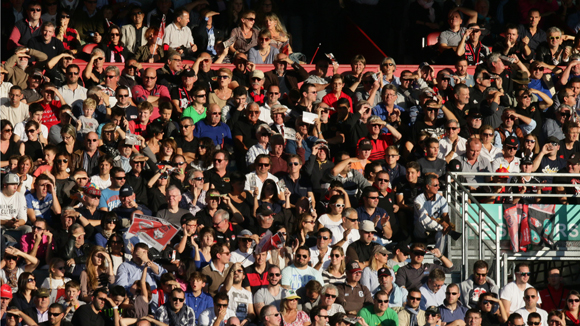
[
  {"x": 264, "y": 210},
  {"x": 474, "y": 113},
  {"x": 511, "y": 141},
  {"x": 187, "y": 73},
  {"x": 454, "y": 166},
  {"x": 126, "y": 191},
  {"x": 553, "y": 139},
  {"x": 404, "y": 248}
]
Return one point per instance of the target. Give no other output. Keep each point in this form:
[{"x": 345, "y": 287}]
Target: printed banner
[
  {"x": 155, "y": 232},
  {"x": 529, "y": 225},
  {"x": 270, "y": 242}
]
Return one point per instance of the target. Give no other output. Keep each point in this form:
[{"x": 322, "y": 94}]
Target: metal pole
[
  {"x": 480, "y": 235},
  {"x": 464, "y": 217},
  {"x": 505, "y": 270},
  {"x": 497, "y": 252}
]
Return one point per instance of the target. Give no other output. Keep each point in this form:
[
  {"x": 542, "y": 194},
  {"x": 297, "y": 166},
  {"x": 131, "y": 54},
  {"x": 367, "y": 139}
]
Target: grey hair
[
  {"x": 494, "y": 57},
  {"x": 553, "y": 29},
  {"x": 171, "y": 188},
  {"x": 93, "y": 90},
  {"x": 328, "y": 287},
  {"x": 223, "y": 213},
  {"x": 348, "y": 211},
  {"x": 191, "y": 173},
  {"x": 389, "y": 59},
  {"x": 114, "y": 69},
  {"x": 97, "y": 50},
  {"x": 75, "y": 226},
  {"x": 565, "y": 106},
  {"x": 450, "y": 121}
]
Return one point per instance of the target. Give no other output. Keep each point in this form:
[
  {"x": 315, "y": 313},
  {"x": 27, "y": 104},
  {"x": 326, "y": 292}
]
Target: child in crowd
[
  {"x": 86, "y": 122},
  {"x": 56, "y": 280},
  {"x": 50, "y": 152},
  {"x": 70, "y": 300}
]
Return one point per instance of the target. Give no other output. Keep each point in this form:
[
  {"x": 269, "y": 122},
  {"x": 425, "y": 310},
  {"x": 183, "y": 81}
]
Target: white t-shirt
[
  {"x": 252, "y": 180},
  {"x": 19, "y": 130},
  {"x": 4, "y": 277},
  {"x": 513, "y": 294},
  {"x": 13, "y": 206},
  {"x": 246, "y": 259},
  {"x": 207, "y": 317},
  {"x": 240, "y": 301},
  {"x": 445, "y": 146},
  {"x": 102, "y": 184},
  {"x": 315, "y": 252},
  {"x": 338, "y": 234},
  {"x": 264, "y": 296},
  {"x": 325, "y": 220},
  {"x": 53, "y": 285},
  {"x": 524, "y": 313},
  {"x": 296, "y": 278}
]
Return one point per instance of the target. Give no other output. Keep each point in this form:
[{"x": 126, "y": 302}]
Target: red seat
[
  {"x": 433, "y": 38},
  {"x": 88, "y": 48}
]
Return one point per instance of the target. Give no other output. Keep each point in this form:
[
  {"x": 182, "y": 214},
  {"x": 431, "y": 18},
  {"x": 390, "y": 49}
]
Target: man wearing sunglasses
[
  {"x": 271, "y": 294},
  {"x": 432, "y": 214},
  {"x": 379, "y": 313},
  {"x": 219, "y": 313},
  {"x": 320, "y": 254},
  {"x": 27, "y": 28},
  {"x": 241, "y": 299},
  {"x": 15, "y": 317},
  {"x": 176, "y": 312},
  {"x": 352, "y": 295},
  {"x": 90, "y": 314},
  {"x": 476, "y": 285},
  {"x": 452, "y": 310},
  {"x": 554, "y": 127},
  {"x": 513, "y": 293},
  {"x": 133, "y": 34},
  {"x": 410, "y": 314},
  {"x": 509, "y": 127},
  {"x": 413, "y": 274},
  {"x": 531, "y": 298},
  {"x": 72, "y": 91},
  {"x": 299, "y": 273}
]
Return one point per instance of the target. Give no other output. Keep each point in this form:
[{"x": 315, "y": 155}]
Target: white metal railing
[{"x": 461, "y": 200}]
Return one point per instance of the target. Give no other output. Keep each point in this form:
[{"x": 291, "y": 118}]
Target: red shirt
[
  {"x": 140, "y": 94},
  {"x": 50, "y": 114},
  {"x": 554, "y": 299},
  {"x": 331, "y": 100},
  {"x": 379, "y": 146}
]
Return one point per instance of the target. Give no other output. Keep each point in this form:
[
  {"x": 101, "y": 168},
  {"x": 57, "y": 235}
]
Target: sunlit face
[
  {"x": 358, "y": 67},
  {"x": 554, "y": 39}
]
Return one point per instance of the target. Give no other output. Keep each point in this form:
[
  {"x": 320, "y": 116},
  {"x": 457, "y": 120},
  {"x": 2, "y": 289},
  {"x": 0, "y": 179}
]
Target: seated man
[
  {"x": 180, "y": 313},
  {"x": 379, "y": 313},
  {"x": 411, "y": 309},
  {"x": 433, "y": 291},
  {"x": 452, "y": 311},
  {"x": 476, "y": 285},
  {"x": 219, "y": 313}
]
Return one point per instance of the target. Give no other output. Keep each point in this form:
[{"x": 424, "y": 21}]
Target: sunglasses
[
  {"x": 524, "y": 274},
  {"x": 529, "y": 297},
  {"x": 72, "y": 73},
  {"x": 554, "y": 38},
  {"x": 289, "y": 163},
  {"x": 390, "y": 64},
  {"x": 30, "y": 280},
  {"x": 301, "y": 256},
  {"x": 274, "y": 274},
  {"x": 480, "y": 274},
  {"x": 178, "y": 299},
  {"x": 35, "y": 10},
  {"x": 451, "y": 293},
  {"x": 419, "y": 253},
  {"x": 250, "y": 19},
  {"x": 30, "y": 131},
  {"x": 110, "y": 77},
  {"x": 487, "y": 135},
  {"x": 54, "y": 314},
  {"x": 336, "y": 255},
  {"x": 120, "y": 178},
  {"x": 414, "y": 299},
  {"x": 10, "y": 258},
  {"x": 338, "y": 205},
  {"x": 512, "y": 147},
  {"x": 451, "y": 128},
  {"x": 383, "y": 180},
  {"x": 218, "y": 160},
  {"x": 382, "y": 301},
  {"x": 223, "y": 77},
  {"x": 114, "y": 34},
  {"x": 309, "y": 222},
  {"x": 263, "y": 165},
  {"x": 216, "y": 113},
  {"x": 530, "y": 141},
  {"x": 331, "y": 295},
  {"x": 264, "y": 39},
  {"x": 535, "y": 323},
  {"x": 431, "y": 314},
  {"x": 321, "y": 237},
  {"x": 573, "y": 300},
  {"x": 200, "y": 95},
  {"x": 221, "y": 305}
]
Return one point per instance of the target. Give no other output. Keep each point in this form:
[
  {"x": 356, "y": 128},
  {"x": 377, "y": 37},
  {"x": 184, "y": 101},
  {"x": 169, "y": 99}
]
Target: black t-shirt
[
  {"x": 360, "y": 251},
  {"x": 131, "y": 112},
  {"x": 533, "y": 112},
  {"x": 489, "y": 319},
  {"x": 229, "y": 236},
  {"x": 437, "y": 130},
  {"x": 410, "y": 191},
  {"x": 438, "y": 166},
  {"x": 243, "y": 79},
  {"x": 98, "y": 215},
  {"x": 57, "y": 76},
  {"x": 85, "y": 316},
  {"x": 222, "y": 184},
  {"x": 187, "y": 146},
  {"x": 566, "y": 153},
  {"x": 248, "y": 131},
  {"x": 184, "y": 96},
  {"x": 531, "y": 189},
  {"x": 52, "y": 49},
  {"x": 204, "y": 79}
]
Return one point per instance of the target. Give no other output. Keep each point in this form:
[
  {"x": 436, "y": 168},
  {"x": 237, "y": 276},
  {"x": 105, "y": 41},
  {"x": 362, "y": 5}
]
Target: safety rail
[{"x": 462, "y": 202}]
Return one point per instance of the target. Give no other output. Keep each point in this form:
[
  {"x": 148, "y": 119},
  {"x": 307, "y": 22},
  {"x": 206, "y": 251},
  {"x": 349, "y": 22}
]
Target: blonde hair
[
  {"x": 90, "y": 103},
  {"x": 92, "y": 273},
  {"x": 342, "y": 266},
  {"x": 53, "y": 263},
  {"x": 279, "y": 26},
  {"x": 226, "y": 71}
]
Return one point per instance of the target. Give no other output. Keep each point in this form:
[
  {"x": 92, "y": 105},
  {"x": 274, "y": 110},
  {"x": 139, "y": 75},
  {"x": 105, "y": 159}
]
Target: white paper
[
  {"x": 308, "y": 117},
  {"x": 289, "y": 134}
]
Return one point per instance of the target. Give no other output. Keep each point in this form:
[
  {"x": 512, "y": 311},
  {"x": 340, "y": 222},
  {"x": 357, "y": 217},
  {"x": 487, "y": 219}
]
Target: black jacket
[{"x": 201, "y": 37}]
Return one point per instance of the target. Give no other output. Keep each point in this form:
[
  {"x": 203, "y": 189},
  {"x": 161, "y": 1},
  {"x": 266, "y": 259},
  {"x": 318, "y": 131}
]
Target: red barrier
[{"x": 265, "y": 67}]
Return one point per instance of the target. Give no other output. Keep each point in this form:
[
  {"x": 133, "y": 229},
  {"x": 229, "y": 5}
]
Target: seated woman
[
  {"x": 245, "y": 36},
  {"x": 9, "y": 146},
  {"x": 144, "y": 53},
  {"x": 115, "y": 50},
  {"x": 32, "y": 147},
  {"x": 223, "y": 92},
  {"x": 264, "y": 52},
  {"x": 69, "y": 36},
  {"x": 279, "y": 36}
]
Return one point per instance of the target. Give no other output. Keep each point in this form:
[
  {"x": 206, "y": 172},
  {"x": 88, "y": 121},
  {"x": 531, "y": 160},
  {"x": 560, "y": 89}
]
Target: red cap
[{"x": 6, "y": 291}]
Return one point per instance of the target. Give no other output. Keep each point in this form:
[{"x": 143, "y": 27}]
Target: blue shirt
[
  {"x": 541, "y": 86},
  {"x": 128, "y": 272},
  {"x": 42, "y": 208},
  {"x": 220, "y": 134},
  {"x": 198, "y": 304},
  {"x": 448, "y": 316},
  {"x": 109, "y": 199},
  {"x": 381, "y": 110},
  {"x": 363, "y": 215}
]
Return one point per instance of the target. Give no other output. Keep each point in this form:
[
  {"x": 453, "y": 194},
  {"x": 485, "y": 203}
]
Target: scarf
[
  {"x": 413, "y": 316},
  {"x": 175, "y": 318},
  {"x": 572, "y": 319},
  {"x": 12, "y": 277},
  {"x": 116, "y": 49},
  {"x": 428, "y": 5},
  {"x": 107, "y": 234}
]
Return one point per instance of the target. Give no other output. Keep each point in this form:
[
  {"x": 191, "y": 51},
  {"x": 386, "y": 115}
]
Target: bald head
[{"x": 150, "y": 72}]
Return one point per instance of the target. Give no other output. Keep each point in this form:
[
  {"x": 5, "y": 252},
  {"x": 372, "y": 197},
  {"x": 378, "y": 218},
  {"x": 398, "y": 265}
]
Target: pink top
[
  {"x": 27, "y": 242},
  {"x": 301, "y": 318}
]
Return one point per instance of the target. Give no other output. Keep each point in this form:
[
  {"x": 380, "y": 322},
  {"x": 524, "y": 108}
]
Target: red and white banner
[
  {"x": 152, "y": 230},
  {"x": 270, "y": 242}
]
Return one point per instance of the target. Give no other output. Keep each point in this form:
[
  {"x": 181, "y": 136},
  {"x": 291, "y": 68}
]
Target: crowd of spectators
[{"x": 346, "y": 168}]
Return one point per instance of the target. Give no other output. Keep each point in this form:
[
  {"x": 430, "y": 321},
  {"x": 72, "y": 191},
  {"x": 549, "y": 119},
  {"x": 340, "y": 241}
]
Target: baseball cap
[
  {"x": 37, "y": 72},
  {"x": 187, "y": 73},
  {"x": 365, "y": 144},
  {"x": 264, "y": 210},
  {"x": 380, "y": 250},
  {"x": 245, "y": 234},
  {"x": 258, "y": 74},
  {"x": 290, "y": 294},
  {"x": 574, "y": 159},
  {"x": 126, "y": 191},
  {"x": 384, "y": 271},
  {"x": 367, "y": 226},
  {"x": 526, "y": 160},
  {"x": 454, "y": 166},
  {"x": 432, "y": 310},
  {"x": 553, "y": 139},
  {"x": 353, "y": 267},
  {"x": 511, "y": 141},
  {"x": 5, "y": 291},
  {"x": 404, "y": 248},
  {"x": 11, "y": 178},
  {"x": 42, "y": 293},
  {"x": 92, "y": 190},
  {"x": 474, "y": 113}
]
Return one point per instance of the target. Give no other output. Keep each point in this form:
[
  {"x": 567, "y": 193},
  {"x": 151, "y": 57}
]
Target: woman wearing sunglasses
[
  {"x": 61, "y": 172},
  {"x": 8, "y": 146},
  {"x": 379, "y": 258},
  {"x": 245, "y": 36},
  {"x": 333, "y": 217},
  {"x": 115, "y": 50},
  {"x": 116, "y": 249},
  {"x": 204, "y": 154},
  {"x": 388, "y": 68},
  {"x": 572, "y": 309},
  {"x": 32, "y": 147},
  {"x": 69, "y": 36},
  {"x": 107, "y": 229},
  {"x": 264, "y": 53},
  {"x": 222, "y": 94},
  {"x": 335, "y": 273},
  {"x": 22, "y": 299}
]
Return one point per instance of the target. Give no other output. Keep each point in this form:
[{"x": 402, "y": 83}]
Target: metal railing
[{"x": 472, "y": 216}]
